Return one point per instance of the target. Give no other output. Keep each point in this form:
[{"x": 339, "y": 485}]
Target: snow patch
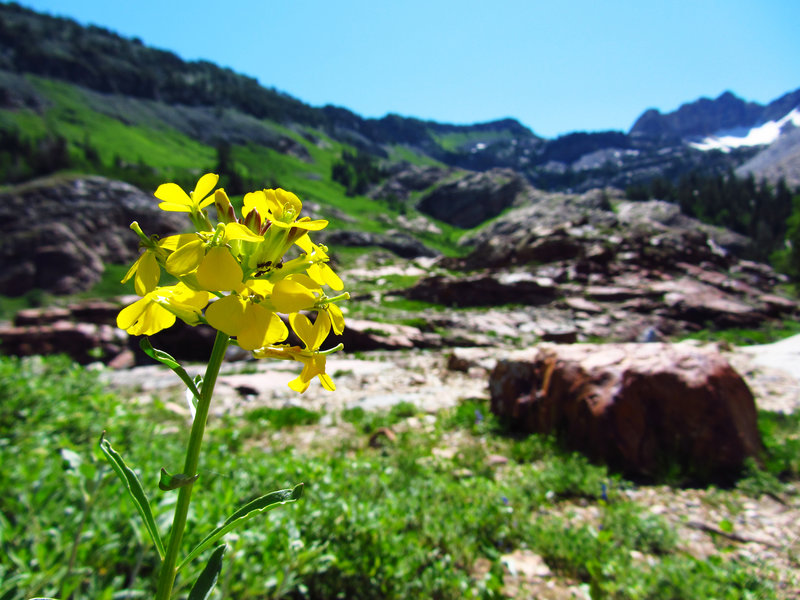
[{"x": 761, "y": 135}]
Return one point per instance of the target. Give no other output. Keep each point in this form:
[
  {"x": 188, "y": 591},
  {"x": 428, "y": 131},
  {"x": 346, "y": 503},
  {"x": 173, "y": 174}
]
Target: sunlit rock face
[
  {"x": 646, "y": 409},
  {"x": 58, "y": 232}
]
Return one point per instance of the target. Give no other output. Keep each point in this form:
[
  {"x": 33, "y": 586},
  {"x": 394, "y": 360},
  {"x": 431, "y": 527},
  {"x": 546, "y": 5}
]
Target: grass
[
  {"x": 771, "y": 331},
  {"x": 412, "y": 518}
]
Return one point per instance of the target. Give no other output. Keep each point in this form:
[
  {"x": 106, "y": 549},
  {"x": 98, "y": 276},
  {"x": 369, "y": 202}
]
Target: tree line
[{"x": 759, "y": 210}]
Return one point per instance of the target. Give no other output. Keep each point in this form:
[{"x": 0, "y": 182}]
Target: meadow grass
[{"x": 408, "y": 519}]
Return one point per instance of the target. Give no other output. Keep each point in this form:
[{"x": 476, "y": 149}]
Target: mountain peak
[{"x": 699, "y": 118}]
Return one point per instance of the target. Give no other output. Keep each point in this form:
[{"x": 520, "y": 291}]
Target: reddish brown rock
[
  {"x": 83, "y": 342},
  {"x": 642, "y": 408}
]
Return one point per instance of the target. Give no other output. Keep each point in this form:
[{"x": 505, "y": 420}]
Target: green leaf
[
  {"x": 173, "y": 482},
  {"x": 201, "y": 589},
  {"x": 259, "y": 505},
  {"x": 166, "y": 359},
  {"x": 134, "y": 487}
]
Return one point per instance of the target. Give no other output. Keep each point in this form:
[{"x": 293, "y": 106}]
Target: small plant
[
  {"x": 235, "y": 275},
  {"x": 280, "y": 418}
]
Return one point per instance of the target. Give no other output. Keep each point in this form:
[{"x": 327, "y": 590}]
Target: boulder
[{"x": 645, "y": 409}]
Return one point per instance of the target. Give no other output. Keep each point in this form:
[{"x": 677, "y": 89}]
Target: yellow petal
[
  {"x": 312, "y": 367},
  {"x": 237, "y": 231},
  {"x": 132, "y": 270},
  {"x": 332, "y": 280},
  {"x": 174, "y": 242},
  {"x": 172, "y": 193},
  {"x": 255, "y": 200},
  {"x": 327, "y": 382},
  {"x": 309, "y": 225},
  {"x": 303, "y": 328},
  {"x": 227, "y": 315},
  {"x": 260, "y": 287},
  {"x": 144, "y": 317},
  {"x": 183, "y": 302},
  {"x": 183, "y": 294},
  {"x": 311, "y": 335},
  {"x": 219, "y": 271},
  {"x": 131, "y": 313},
  {"x": 289, "y": 296},
  {"x": 305, "y": 243},
  {"x": 148, "y": 274},
  {"x": 324, "y": 275},
  {"x": 284, "y": 206},
  {"x": 186, "y": 258},
  {"x": 260, "y": 327},
  {"x": 288, "y": 200},
  {"x": 203, "y": 189},
  {"x": 299, "y": 384},
  {"x": 175, "y": 207},
  {"x": 337, "y": 319}
]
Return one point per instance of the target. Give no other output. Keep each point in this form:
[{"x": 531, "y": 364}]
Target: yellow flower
[
  {"x": 314, "y": 362},
  {"x": 253, "y": 325},
  {"x": 174, "y": 199},
  {"x": 282, "y": 208},
  {"x": 157, "y": 309},
  {"x": 319, "y": 270}
]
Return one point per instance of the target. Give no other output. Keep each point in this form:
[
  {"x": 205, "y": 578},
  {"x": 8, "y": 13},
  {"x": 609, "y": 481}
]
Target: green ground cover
[{"x": 401, "y": 520}]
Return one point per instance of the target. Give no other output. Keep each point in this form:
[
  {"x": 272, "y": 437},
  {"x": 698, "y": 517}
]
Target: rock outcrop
[
  {"x": 474, "y": 198},
  {"x": 56, "y": 233},
  {"x": 646, "y": 409},
  {"x": 611, "y": 274}
]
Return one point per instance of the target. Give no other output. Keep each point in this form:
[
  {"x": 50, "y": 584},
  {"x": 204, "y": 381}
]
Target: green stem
[{"x": 166, "y": 577}]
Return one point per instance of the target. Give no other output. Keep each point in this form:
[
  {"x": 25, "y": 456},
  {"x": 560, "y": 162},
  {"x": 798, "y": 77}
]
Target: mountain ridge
[{"x": 657, "y": 145}]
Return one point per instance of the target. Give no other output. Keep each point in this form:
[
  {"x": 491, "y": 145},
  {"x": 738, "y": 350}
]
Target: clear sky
[{"x": 556, "y": 66}]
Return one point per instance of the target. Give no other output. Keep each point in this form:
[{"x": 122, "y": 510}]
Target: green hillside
[{"x": 64, "y": 127}]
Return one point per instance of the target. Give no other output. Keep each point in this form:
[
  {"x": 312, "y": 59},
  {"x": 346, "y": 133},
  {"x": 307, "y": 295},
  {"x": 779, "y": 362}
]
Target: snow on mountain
[{"x": 760, "y": 135}]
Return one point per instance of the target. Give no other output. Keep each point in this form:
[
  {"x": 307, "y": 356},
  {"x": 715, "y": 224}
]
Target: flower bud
[
  {"x": 225, "y": 212},
  {"x": 253, "y": 221}
]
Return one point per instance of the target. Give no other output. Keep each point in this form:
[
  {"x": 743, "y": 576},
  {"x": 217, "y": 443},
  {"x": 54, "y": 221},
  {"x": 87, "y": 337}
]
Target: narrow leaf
[
  {"x": 201, "y": 589},
  {"x": 173, "y": 482},
  {"x": 166, "y": 359},
  {"x": 259, "y": 505},
  {"x": 134, "y": 487},
  {"x": 191, "y": 398}
]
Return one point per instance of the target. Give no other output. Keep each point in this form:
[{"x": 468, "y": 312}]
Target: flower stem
[{"x": 166, "y": 577}]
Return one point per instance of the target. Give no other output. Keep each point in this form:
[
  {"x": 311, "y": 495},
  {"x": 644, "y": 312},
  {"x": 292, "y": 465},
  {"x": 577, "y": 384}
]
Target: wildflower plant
[{"x": 238, "y": 275}]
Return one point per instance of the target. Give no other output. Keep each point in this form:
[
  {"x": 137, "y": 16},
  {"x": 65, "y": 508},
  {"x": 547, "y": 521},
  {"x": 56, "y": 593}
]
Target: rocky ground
[{"x": 764, "y": 530}]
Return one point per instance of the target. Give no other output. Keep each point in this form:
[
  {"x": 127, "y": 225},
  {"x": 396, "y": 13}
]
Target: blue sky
[{"x": 555, "y": 66}]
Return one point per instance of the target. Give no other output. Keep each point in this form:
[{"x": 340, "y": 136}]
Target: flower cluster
[{"x": 236, "y": 275}]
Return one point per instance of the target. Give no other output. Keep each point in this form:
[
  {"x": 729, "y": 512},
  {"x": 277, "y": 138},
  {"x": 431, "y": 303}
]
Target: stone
[
  {"x": 644, "y": 409},
  {"x": 690, "y": 300}
]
